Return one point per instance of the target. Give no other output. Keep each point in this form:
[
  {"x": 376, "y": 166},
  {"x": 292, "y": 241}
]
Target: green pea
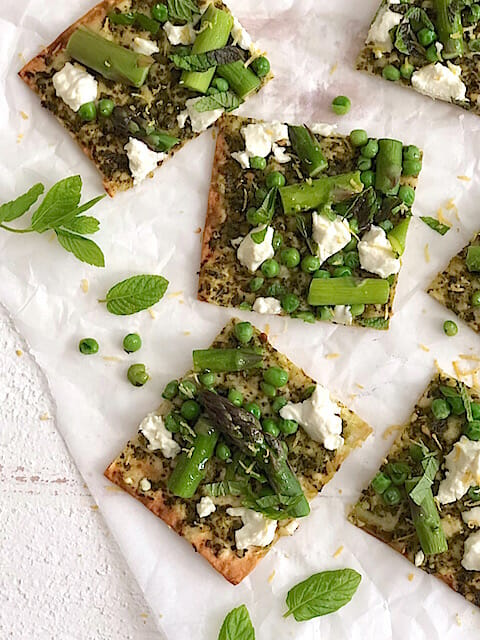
[
  {"x": 440, "y": 409},
  {"x": 106, "y": 107},
  {"x": 222, "y": 85},
  {"x": 475, "y": 410},
  {"x": 411, "y": 153},
  {"x": 341, "y": 105},
  {"x": 472, "y": 430},
  {"x": 258, "y": 163},
  {"x": 306, "y": 316},
  {"x": 336, "y": 260},
  {"x": 325, "y": 314},
  {"x": 190, "y": 410},
  {"x": 357, "y": 310},
  {"x": 268, "y": 389},
  {"x": 170, "y": 390},
  {"x": 367, "y": 178},
  {"x": 358, "y": 137},
  {"x": 223, "y": 452},
  {"x": 275, "y": 179},
  {"x": 290, "y": 257},
  {"x": 474, "y": 494},
  {"x": 406, "y": 70},
  {"x": 269, "y": 425},
  {"x": 160, "y": 12},
  {"x": 172, "y": 423},
  {"x": 391, "y": 73},
  {"x": 370, "y": 150},
  {"x": 137, "y": 375},
  {"x": 279, "y": 403},
  {"x": 364, "y": 164},
  {"x": 211, "y": 91},
  {"x": 287, "y": 427},
  {"x": 261, "y": 66},
  {"x": 88, "y": 346},
  {"x": 310, "y": 264},
  {"x": 342, "y": 272},
  {"x": 411, "y": 167},
  {"x": 380, "y": 483},
  {"x": 290, "y": 302},
  {"x": 426, "y": 37},
  {"x": 407, "y": 194},
  {"x": 431, "y": 54},
  {"x": 132, "y": 342},
  {"x": 321, "y": 273},
  {"x": 187, "y": 389},
  {"x": 243, "y": 332},
  {"x": 88, "y": 111},
  {"x": 450, "y": 328},
  {"x": 256, "y": 284},
  {"x": 392, "y": 496},
  {"x": 352, "y": 259},
  {"x": 260, "y": 195},
  {"x": 245, "y": 306},
  {"x": 235, "y": 397},
  {"x": 398, "y": 472},
  {"x": 277, "y": 241},
  {"x": 276, "y": 376},
  {"x": 270, "y": 268},
  {"x": 476, "y": 298},
  {"x": 254, "y": 409},
  {"x": 208, "y": 379}
]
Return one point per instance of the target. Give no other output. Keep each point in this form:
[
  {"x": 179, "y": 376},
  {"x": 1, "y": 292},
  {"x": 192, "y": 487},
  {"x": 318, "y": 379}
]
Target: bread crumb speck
[
  {"x": 464, "y": 178},
  {"x": 424, "y": 347},
  {"x": 389, "y": 430},
  {"x": 144, "y": 615},
  {"x": 24, "y": 115},
  {"x": 271, "y": 577},
  {"x": 458, "y": 619},
  {"x": 84, "y": 285},
  {"x": 19, "y": 352},
  {"x": 410, "y": 577},
  {"x": 333, "y": 68},
  {"x": 152, "y": 313},
  {"x": 332, "y": 356},
  {"x": 427, "y": 253},
  {"x": 20, "y": 138},
  {"x": 198, "y": 230},
  {"x": 338, "y": 551},
  {"x": 187, "y": 333},
  {"x": 44, "y": 417},
  {"x": 112, "y": 359},
  {"x": 94, "y": 507}
]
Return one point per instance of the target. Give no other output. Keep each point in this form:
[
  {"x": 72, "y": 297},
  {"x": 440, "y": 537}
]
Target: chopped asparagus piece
[
  {"x": 225, "y": 360},
  {"x": 305, "y": 196},
  {"x": 308, "y": 149},
  {"x": 389, "y": 166},
  {"x": 241, "y": 79},
  {"x": 348, "y": 291},
  {"x": 427, "y": 521}
]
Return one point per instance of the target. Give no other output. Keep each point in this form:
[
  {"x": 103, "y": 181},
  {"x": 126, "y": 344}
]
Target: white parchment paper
[{"x": 312, "y": 45}]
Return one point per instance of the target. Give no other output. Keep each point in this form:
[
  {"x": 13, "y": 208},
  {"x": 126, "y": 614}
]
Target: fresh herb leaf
[
  {"x": 82, "y": 248},
  {"x": 274, "y": 507},
  {"x": 364, "y": 207},
  {"x": 205, "y": 61},
  {"x": 259, "y": 236},
  {"x": 322, "y": 593},
  {"x": 374, "y": 323},
  {"x": 83, "y": 225},
  {"x": 59, "y": 205},
  {"x": 224, "y": 488},
  {"x": 434, "y": 224},
  {"x": 448, "y": 392},
  {"x": 135, "y": 294},
  {"x": 266, "y": 211},
  {"x": 221, "y": 100},
  {"x": 430, "y": 467},
  {"x": 182, "y": 10},
  {"x": 237, "y": 625},
  {"x": 15, "y": 208},
  {"x": 304, "y": 232},
  {"x": 88, "y": 205},
  {"x": 467, "y": 403}
]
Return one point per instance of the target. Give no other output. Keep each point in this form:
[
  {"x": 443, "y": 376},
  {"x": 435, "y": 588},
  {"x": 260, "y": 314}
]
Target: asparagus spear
[
  {"x": 450, "y": 29},
  {"x": 389, "y": 166},
  {"x": 241, "y": 79},
  {"x": 111, "y": 60},
  {"x": 305, "y": 196},
  {"x": 307, "y": 148},
  {"x": 225, "y": 360},
  {"x": 473, "y": 258},
  {"x": 398, "y": 236},
  {"x": 245, "y": 432},
  {"x": 216, "y": 25},
  {"x": 348, "y": 291},
  {"x": 190, "y": 468},
  {"x": 427, "y": 521}
]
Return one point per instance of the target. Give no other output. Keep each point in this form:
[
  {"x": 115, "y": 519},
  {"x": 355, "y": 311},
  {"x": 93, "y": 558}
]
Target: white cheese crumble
[
  {"x": 252, "y": 254},
  {"x": 379, "y": 34},
  {"x": 471, "y": 553},
  {"x": 147, "y": 47},
  {"x": 472, "y": 517},
  {"x": 319, "y": 416},
  {"x": 323, "y": 129},
  {"x": 75, "y": 86},
  {"x": 376, "y": 253},
  {"x": 280, "y": 155},
  {"x": 271, "y": 306},
  {"x": 259, "y": 137},
  {"x": 184, "y": 34},
  {"x": 141, "y": 159},
  {"x": 463, "y": 471},
  {"x": 200, "y": 120},
  {"x": 419, "y": 558},
  {"x": 205, "y": 507},
  {"x": 145, "y": 484},
  {"x": 440, "y": 81},
  {"x": 330, "y": 235},
  {"x": 242, "y": 158},
  {"x": 342, "y": 315},
  {"x": 241, "y": 36},
  {"x": 159, "y": 438},
  {"x": 290, "y": 528},
  {"x": 257, "y": 531}
]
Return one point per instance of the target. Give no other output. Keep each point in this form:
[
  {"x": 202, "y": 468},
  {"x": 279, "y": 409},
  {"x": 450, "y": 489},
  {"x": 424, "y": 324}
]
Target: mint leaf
[
  {"x": 434, "y": 224},
  {"x": 467, "y": 403},
  {"x": 182, "y": 10},
  {"x": 83, "y": 225},
  {"x": 16, "y": 208},
  {"x": 205, "y": 61},
  {"x": 237, "y": 625},
  {"x": 322, "y": 593},
  {"x": 88, "y": 205},
  {"x": 82, "y": 248},
  {"x": 430, "y": 467},
  {"x": 275, "y": 507},
  {"x": 135, "y": 294},
  {"x": 58, "y": 205},
  {"x": 221, "y": 100},
  {"x": 224, "y": 488},
  {"x": 266, "y": 211}
]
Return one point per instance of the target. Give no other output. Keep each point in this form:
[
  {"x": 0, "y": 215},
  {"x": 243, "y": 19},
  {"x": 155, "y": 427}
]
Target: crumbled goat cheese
[
  {"x": 75, "y": 86},
  {"x": 323, "y": 129},
  {"x": 141, "y": 159},
  {"x": 257, "y": 531},
  {"x": 145, "y": 485},
  {"x": 240, "y": 36},
  {"x": 270, "y": 306},
  {"x": 471, "y": 552},
  {"x": 242, "y": 158},
  {"x": 184, "y": 34},
  {"x": 379, "y": 34},
  {"x": 280, "y": 155},
  {"x": 158, "y": 437},
  {"x": 330, "y": 235},
  {"x": 147, "y": 47},
  {"x": 376, "y": 253},
  {"x": 200, "y": 120},
  {"x": 205, "y": 507},
  {"x": 342, "y": 315},
  {"x": 252, "y": 254},
  {"x": 472, "y": 517},
  {"x": 440, "y": 81},
  {"x": 462, "y": 471}
]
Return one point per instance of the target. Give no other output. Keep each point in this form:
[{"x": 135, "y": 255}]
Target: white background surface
[{"x": 155, "y": 229}]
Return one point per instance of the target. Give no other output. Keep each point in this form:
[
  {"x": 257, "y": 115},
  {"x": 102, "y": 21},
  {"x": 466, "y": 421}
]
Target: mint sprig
[
  {"x": 60, "y": 211},
  {"x": 135, "y": 294},
  {"x": 237, "y": 625}
]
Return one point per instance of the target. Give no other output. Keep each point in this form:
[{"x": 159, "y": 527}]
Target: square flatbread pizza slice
[
  {"x": 425, "y": 500},
  {"x": 306, "y": 223},
  {"x": 431, "y": 47},
  {"x": 458, "y": 287},
  {"x": 237, "y": 449},
  {"x": 134, "y": 80}
]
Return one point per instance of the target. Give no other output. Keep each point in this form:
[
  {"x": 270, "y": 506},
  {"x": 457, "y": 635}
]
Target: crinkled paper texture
[{"x": 155, "y": 228}]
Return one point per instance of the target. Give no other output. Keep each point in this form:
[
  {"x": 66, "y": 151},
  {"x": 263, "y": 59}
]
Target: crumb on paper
[
  {"x": 113, "y": 488},
  {"x": 24, "y": 115},
  {"x": 391, "y": 429},
  {"x": 340, "y": 491},
  {"x": 84, "y": 285},
  {"x": 94, "y": 507},
  {"x": 427, "y": 253},
  {"x": 352, "y": 396},
  {"x": 267, "y": 329},
  {"x": 332, "y": 356},
  {"x": 187, "y": 333},
  {"x": 333, "y": 68},
  {"x": 271, "y": 577},
  {"x": 175, "y": 294},
  {"x": 410, "y": 577},
  {"x": 144, "y": 615},
  {"x": 338, "y": 551},
  {"x": 424, "y": 347},
  {"x": 466, "y": 356},
  {"x": 19, "y": 352},
  {"x": 214, "y": 134},
  {"x": 44, "y": 417},
  {"x": 464, "y": 178},
  {"x": 20, "y": 138},
  {"x": 198, "y": 230},
  {"x": 112, "y": 358},
  {"x": 360, "y": 386},
  {"x": 22, "y": 57},
  {"x": 458, "y": 619},
  {"x": 152, "y": 313}
]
